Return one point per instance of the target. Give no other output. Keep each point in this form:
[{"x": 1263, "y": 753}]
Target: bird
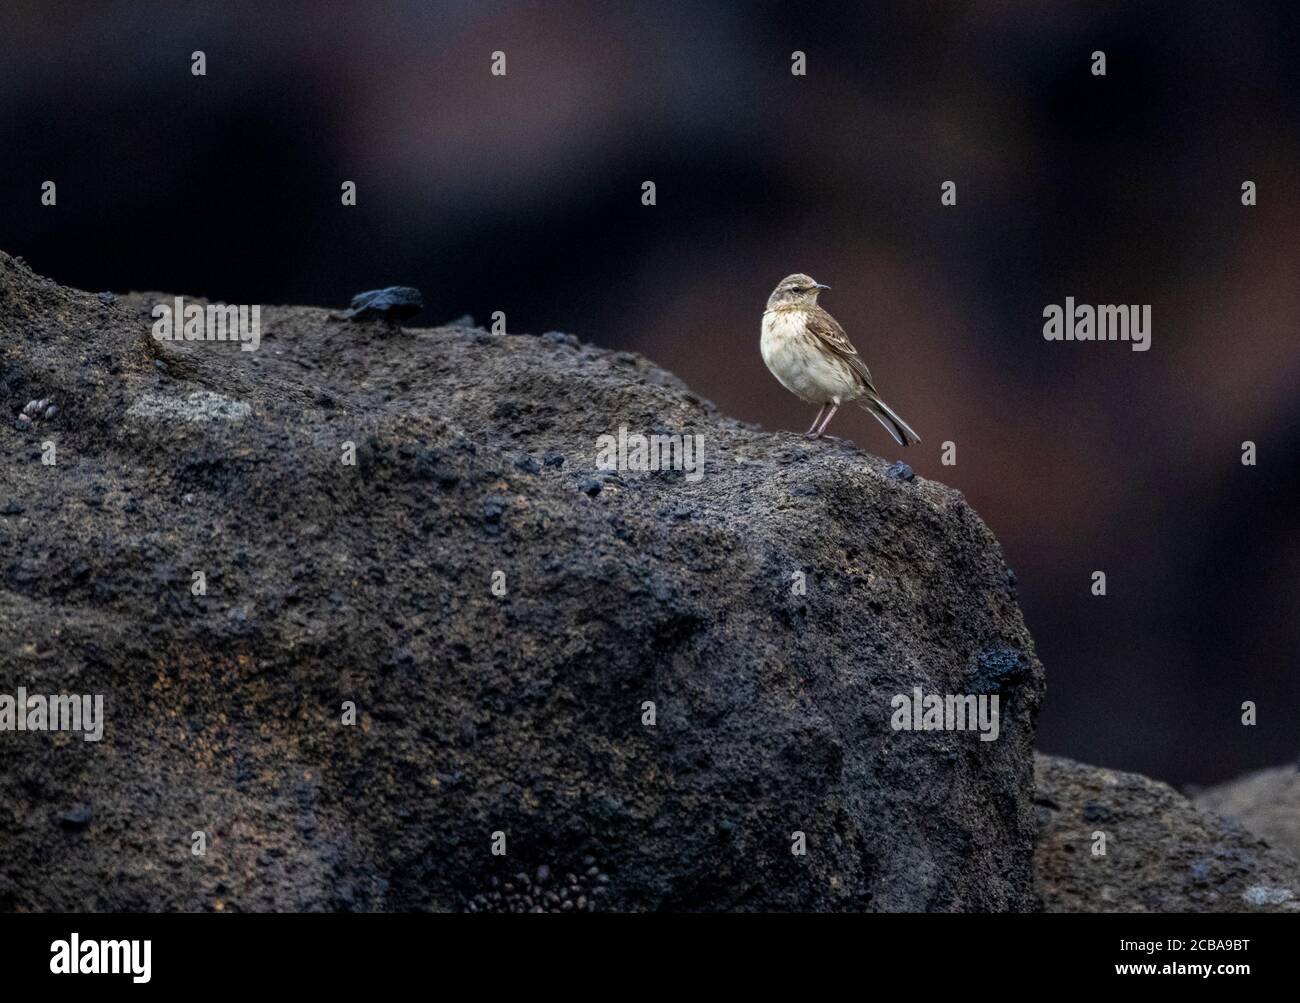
[{"x": 808, "y": 352}]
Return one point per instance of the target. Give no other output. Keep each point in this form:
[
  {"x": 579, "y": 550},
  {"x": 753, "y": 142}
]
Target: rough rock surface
[
  {"x": 1266, "y": 803},
  {"x": 477, "y": 713},
  {"x": 1163, "y": 854}
]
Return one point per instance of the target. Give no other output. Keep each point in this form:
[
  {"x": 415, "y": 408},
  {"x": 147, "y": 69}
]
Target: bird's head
[{"x": 796, "y": 290}]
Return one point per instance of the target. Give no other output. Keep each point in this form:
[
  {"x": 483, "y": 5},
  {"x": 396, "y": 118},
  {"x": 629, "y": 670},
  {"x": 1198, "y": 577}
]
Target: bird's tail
[{"x": 887, "y": 416}]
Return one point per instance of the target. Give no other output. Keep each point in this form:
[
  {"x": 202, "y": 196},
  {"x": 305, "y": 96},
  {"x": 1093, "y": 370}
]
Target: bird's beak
[{"x": 821, "y": 285}]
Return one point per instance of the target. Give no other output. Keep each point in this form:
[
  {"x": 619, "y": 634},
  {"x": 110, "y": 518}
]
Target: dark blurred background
[{"x": 522, "y": 194}]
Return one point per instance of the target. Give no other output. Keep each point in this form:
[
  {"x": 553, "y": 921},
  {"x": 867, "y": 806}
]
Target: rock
[
  {"x": 200, "y": 406},
  {"x": 76, "y": 818},
  {"x": 494, "y": 508},
  {"x": 901, "y": 471},
  {"x": 106, "y": 298},
  {"x": 1267, "y": 803},
  {"x": 1163, "y": 854},
  {"x": 1266, "y": 895},
  {"x": 393, "y": 304},
  {"x": 371, "y": 583}
]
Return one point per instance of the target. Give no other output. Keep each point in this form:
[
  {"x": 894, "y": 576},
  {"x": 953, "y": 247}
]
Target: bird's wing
[{"x": 826, "y": 330}]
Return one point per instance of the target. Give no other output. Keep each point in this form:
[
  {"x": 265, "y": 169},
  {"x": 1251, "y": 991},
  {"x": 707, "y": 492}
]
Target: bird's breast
[{"x": 801, "y": 365}]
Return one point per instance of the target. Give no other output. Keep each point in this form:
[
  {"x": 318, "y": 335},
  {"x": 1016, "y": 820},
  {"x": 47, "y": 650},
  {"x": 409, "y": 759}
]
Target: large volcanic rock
[
  {"x": 1163, "y": 854},
  {"x": 1266, "y": 802},
  {"x": 478, "y": 713}
]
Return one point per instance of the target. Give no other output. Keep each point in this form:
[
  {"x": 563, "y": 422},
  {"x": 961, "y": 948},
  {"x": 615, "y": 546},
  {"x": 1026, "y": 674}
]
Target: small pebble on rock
[
  {"x": 527, "y": 891},
  {"x": 76, "y": 818},
  {"x": 393, "y": 304}
]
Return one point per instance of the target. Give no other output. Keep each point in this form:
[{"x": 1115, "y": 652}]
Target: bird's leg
[
  {"x": 829, "y": 416},
  {"x": 813, "y": 427}
]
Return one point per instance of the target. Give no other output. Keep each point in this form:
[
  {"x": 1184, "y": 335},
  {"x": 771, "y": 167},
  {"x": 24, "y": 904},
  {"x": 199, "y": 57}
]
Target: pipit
[{"x": 811, "y": 356}]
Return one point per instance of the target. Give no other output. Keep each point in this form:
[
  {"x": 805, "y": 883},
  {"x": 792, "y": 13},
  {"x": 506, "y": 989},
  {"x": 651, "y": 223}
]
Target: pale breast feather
[{"x": 799, "y": 362}]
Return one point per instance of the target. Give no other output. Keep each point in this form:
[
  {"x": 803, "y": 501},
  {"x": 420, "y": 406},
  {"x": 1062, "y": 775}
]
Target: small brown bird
[{"x": 811, "y": 356}]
